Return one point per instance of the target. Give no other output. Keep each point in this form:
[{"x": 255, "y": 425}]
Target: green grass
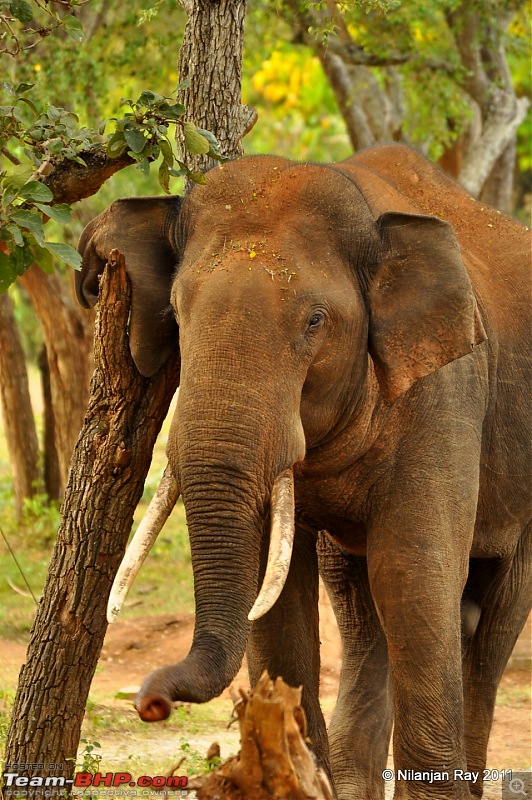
[{"x": 514, "y": 696}]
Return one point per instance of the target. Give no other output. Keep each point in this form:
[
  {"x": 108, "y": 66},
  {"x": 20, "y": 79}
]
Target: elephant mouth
[{"x": 279, "y": 554}]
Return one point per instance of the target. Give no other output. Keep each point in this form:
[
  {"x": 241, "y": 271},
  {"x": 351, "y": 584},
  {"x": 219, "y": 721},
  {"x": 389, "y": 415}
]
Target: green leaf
[
  {"x": 62, "y": 213},
  {"x": 31, "y": 222},
  {"x": 54, "y": 113},
  {"x": 21, "y": 10},
  {"x": 30, "y": 104},
  {"x": 16, "y": 233},
  {"x": 37, "y": 191},
  {"x": 214, "y": 150},
  {"x": 116, "y": 146},
  {"x": 44, "y": 259},
  {"x": 8, "y": 273},
  {"x": 16, "y": 179},
  {"x": 198, "y": 177},
  {"x": 22, "y": 257},
  {"x": 164, "y": 177},
  {"x": 23, "y": 87},
  {"x": 65, "y": 253},
  {"x": 194, "y": 141},
  {"x": 174, "y": 112},
  {"x": 148, "y": 98},
  {"x": 144, "y": 167},
  {"x": 55, "y": 146},
  {"x": 135, "y": 139},
  {"x": 166, "y": 150},
  {"x": 73, "y": 27}
]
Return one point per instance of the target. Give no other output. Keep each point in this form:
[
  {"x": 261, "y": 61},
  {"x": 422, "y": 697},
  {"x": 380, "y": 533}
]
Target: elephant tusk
[
  {"x": 281, "y": 544},
  {"x": 150, "y": 526}
]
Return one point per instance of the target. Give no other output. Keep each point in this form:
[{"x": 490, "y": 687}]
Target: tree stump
[{"x": 274, "y": 762}]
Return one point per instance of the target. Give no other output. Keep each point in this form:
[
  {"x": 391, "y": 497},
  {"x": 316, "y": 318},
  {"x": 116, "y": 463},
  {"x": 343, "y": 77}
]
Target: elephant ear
[
  {"x": 143, "y": 230},
  {"x": 423, "y": 313}
]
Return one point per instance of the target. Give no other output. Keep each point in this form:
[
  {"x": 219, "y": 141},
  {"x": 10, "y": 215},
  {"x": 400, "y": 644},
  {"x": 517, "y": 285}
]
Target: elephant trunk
[{"x": 230, "y": 463}]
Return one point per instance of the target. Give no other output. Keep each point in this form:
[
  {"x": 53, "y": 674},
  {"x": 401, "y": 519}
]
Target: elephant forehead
[
  {"x": 262, "y": 196},
  {"x": 243, "y": 271},
  {"x": 260, "y": 263}
]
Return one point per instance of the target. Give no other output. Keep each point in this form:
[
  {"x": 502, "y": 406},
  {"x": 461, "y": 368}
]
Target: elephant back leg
[
  {"x": 359, "y": 733},
  {"x": 501, "y": 588},
  {"x": 285, "y": 641}
]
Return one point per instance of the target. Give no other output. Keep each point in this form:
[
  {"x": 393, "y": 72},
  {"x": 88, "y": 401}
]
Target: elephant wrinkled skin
[{"x": 363, "y": 324}]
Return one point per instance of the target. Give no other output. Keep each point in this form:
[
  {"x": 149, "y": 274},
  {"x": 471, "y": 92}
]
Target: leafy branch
[
  {"x": 143, "y": 134},
  {"x": 18, "y": 35},
  {"x": 51, "y": 161}
]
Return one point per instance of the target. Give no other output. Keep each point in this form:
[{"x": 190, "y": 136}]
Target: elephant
[{"x": 353, "y": 375}]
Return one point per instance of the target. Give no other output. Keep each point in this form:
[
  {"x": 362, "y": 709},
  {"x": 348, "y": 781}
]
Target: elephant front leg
[
  {"x": 359, "y": 733},
  {"x": 285, "y": 641},
  {"x": 417, "y": 569}
]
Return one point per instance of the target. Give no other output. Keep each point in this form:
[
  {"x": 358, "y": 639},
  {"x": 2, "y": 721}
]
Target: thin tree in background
[{"x": 17, "y": 412}]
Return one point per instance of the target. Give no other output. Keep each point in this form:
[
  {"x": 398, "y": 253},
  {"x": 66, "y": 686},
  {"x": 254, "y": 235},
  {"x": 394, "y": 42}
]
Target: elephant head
[{"x": 297, "y": 307}]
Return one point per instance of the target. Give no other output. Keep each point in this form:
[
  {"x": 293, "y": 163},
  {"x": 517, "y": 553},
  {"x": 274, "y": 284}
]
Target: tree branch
[
  {"x": 70, "y": 181},
  {"x": 499, "y": 131}
]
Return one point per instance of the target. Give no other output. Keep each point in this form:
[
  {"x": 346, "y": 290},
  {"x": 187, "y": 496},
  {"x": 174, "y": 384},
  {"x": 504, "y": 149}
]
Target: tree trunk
[
  {"x": 109, "y": 466},
  {"x": 67, "y": 332},
  {"x": 17, "y": 412},
  {"x": 52, "y": 473},
  {"x": 498, "y": 188},
  {"x": 211, "y": 60}
]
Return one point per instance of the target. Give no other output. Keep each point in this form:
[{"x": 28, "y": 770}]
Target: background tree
[
  {"x": 16, "y": 406},
  {"x": 434, "y": 74}
]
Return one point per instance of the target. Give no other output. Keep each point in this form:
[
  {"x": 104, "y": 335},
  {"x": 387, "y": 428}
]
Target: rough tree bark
[
  {"x": 67, "y": 332},
  {"x": 109, "y": 466},
  {"x": 17, "y": 412},
  {"x": 210, "y": 60}
]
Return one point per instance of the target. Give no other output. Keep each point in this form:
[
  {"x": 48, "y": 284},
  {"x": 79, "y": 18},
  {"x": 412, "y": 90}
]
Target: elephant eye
[{"x": 316, "y": 321}]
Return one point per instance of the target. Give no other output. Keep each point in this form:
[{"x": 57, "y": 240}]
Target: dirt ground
[{"x": 134, "y": 647}]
